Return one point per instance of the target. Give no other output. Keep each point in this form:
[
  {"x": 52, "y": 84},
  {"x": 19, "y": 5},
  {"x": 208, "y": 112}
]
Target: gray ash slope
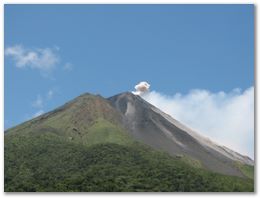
[{"x": 148, "y": 124}]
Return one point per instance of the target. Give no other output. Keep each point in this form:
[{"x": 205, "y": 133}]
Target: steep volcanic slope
[
  {"x": 87, "y": 119},
  {"x": 150, "y": 125},
  {"x": 89, "y": 145}
]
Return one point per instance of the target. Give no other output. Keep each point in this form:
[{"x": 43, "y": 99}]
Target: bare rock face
[{"x": 153, "y": 127}]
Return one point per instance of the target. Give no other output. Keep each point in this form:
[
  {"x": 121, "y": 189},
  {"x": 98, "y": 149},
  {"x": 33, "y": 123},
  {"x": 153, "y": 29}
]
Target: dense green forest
[{"x": 43, "y": 162}]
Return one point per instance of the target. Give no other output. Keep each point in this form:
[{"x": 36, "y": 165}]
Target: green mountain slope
[
  {"x": 82, "y": 146},
  {"x": 46, "y": 163},
  {"x": 247, "y": 170}
]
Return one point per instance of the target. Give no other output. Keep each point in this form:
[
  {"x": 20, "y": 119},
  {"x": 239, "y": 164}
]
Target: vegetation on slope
[
  {"x": 247, "y": 170},
  {"x": 46, "y": 162},
  {"x": 82, "y": 146},
  {"x": 103, "y": 131}
]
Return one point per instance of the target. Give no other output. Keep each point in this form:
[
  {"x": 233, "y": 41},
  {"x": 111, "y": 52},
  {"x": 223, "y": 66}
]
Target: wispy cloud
[
  {"x": 227, "y": 118},
  {"x": 50, "y": 94},
  {"x": 43, "y": 59},
  {"x": 41, "y": 101},
  {"x": 68, "y": 67},
  {"x": 38, "y": 103}
]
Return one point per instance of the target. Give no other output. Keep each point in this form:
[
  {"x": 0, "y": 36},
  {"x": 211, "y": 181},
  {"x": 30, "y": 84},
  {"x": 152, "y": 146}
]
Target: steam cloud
[
  {"x": 226, "y": 118},
  {"x": 141, "y": 88}
]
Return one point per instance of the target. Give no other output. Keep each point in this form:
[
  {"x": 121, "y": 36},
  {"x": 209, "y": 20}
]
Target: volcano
[
  {"x": 120, "y": 143},
  {"x": 150, "y": 125}
]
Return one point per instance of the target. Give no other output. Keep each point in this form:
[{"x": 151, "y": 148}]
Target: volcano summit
[{"x": 121, "y": 143}]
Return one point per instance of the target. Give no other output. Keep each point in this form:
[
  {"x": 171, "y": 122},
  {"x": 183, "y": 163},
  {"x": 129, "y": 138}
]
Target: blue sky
[{"x": 54, "y": 53}]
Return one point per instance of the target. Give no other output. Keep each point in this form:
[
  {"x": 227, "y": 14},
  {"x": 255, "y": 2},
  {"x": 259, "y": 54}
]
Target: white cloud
[
  {"x": 227, "y": 118},
  {"x": 44, "y": 59},
  {"x": 38, "y": 103},
  {"x": 38, "y": 113}
]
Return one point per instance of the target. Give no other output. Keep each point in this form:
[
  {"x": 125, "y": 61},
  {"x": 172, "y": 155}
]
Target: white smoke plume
[
  {"x": 141, "y": 88},
  {"x": 226, "y": 118}
]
